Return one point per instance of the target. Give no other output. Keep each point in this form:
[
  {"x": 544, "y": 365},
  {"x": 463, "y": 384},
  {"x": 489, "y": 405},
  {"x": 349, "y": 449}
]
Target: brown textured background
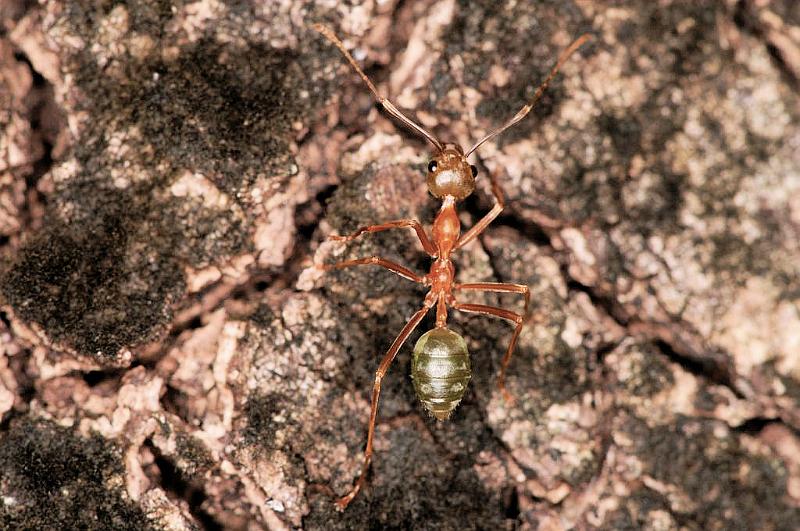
[{"x": 171, "y": 360}]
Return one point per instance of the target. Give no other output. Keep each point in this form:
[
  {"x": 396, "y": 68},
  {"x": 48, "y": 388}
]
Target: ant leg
[
  {"x": 498, "y": 195},
  {"x": 515, "y": 318},
  {"x": 378, "y": 261},
  {"x": 344, "y": 501},
  {"x": 479, "y": 227},
  {"x": 400, "y": 223},
  {"x": 499, "y": 287}
]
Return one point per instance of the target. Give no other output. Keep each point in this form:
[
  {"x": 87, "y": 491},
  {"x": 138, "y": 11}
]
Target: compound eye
[
  {"x": 432, "y": 166},
  {"x": 474, "y": 170}
]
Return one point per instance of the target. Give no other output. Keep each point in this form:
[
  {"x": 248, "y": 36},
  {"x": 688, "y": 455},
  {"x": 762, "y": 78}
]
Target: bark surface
[{"x": 171, "y": 359}]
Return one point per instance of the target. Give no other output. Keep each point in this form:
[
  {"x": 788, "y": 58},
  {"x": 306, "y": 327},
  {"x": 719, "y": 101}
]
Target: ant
[{"x": 440, "y": 366}]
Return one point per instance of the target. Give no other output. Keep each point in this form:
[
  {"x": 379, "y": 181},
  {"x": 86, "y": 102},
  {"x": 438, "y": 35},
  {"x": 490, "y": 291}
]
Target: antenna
[
  {"x": 388, "y": 105},
  {"x": 539, "y": 91}
]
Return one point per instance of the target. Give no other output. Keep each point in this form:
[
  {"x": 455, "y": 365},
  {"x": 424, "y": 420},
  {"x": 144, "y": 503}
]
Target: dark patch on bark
[
  {"x": 107, "y": 266},
  {"x": 416, "y": 485},
  {"x": 520, "y": 33},
  {"x": 729, "y": 483},
  {"x": 59, "y": 480}
]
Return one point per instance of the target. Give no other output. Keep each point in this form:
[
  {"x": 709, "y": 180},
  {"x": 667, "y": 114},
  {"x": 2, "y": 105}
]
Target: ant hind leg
[
  {"x": 499, "y": 287},
  {"x": 508, "y": 315},
  {"x": 344, "y": 501}
]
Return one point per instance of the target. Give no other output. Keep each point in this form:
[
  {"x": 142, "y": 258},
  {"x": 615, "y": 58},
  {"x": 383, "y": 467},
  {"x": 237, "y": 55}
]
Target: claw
[
  {"x": 344, "y": 501},
  {"x": 508, "y": 397}
]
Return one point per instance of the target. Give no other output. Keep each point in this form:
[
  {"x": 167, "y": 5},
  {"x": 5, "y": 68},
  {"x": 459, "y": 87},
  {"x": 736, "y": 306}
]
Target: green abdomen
[{"x": 441, "y": 371}]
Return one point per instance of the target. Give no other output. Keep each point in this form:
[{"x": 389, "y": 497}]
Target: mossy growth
[
  {"x": 107, "y": 267},
  {"x": 648, "y": 372},
  {"x": 725, "y": 481},
  {"x": 225, "y": 110},
  {"x": 195, "y": 459},
  {"x": 636, "y": 514},
  {"x": 95, "y": 284},
  {"x": 106, "y": 278},
  {"x": 348, "y": 208},
  {"x": 417, "y": 485},
  {"x": 261, "y": 412},
  {"x": 55, "y": 479}
]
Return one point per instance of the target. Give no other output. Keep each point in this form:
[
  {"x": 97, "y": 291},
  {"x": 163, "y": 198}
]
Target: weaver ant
[{"x": 440, "y": 364}]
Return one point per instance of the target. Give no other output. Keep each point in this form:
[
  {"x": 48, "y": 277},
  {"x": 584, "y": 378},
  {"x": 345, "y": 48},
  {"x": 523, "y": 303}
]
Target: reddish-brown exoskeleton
[{"x": 440, "y": 364}]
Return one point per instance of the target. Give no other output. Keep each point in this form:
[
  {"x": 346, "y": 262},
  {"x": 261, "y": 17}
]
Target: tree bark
[{"x": 173, "y": 359}]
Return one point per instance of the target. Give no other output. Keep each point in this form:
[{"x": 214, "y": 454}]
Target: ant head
[{"x": 449, "y": 173}]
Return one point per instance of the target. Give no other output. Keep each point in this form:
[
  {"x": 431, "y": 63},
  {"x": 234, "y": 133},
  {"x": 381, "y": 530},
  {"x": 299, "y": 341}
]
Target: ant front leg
[
  {"x": 344, "y": 501},
  {"x": 378, "y": 261},
  {"x": 490, "y": 216},
  {"x": 514, "y": 317},
  {"x": 400, "y": 223}
]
